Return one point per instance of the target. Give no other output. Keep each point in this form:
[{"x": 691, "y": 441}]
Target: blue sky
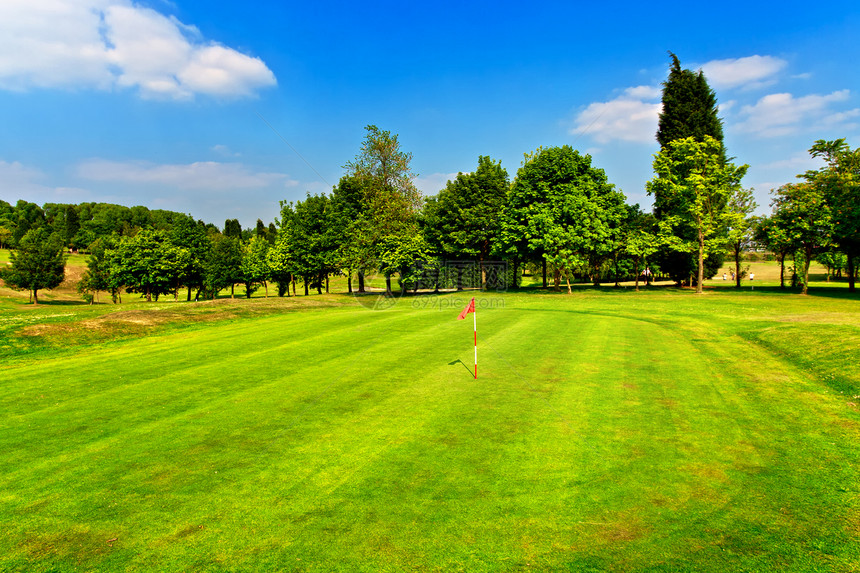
[{"x": 169, "y": 104}]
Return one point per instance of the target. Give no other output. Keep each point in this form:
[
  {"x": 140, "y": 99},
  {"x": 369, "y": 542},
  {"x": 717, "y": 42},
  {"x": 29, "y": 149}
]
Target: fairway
[{"x": 608, "y": 430}]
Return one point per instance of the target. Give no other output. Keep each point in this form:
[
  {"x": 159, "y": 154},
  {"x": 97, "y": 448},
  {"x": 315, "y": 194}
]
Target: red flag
[{"x": 469, "y": 308}]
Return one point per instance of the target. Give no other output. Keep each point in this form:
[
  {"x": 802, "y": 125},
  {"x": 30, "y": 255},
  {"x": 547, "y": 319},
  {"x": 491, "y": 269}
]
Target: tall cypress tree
[
  {"x": 689, "y": 110},
  {"x": 689, "y": 107}
]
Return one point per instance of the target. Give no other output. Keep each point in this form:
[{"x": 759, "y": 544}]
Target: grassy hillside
[{"x": 608, "y": 430}]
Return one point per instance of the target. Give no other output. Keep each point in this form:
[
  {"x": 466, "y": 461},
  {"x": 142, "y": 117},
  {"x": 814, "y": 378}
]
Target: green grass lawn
[{"x": 608, "y": 430}]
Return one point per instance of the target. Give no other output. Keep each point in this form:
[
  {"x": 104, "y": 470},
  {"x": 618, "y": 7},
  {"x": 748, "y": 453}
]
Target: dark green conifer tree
[{"x": 689, "y": 107}]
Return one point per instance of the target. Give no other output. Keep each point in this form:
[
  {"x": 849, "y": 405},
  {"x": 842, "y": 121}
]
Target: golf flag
[{"x": 471, "y": 308}]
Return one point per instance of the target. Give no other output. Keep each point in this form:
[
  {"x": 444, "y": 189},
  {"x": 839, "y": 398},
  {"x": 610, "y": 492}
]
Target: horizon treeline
[{"x": 559, "y": 216}]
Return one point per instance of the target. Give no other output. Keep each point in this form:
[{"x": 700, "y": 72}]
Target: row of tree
[
  {"x": 559, "y": 215},
  {"x": 78, "y": 226},
  {"x": 819, "y": 216}
]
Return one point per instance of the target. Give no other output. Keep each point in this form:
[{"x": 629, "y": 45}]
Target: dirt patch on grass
[
  {"x": 625, "y": 530},
  {"x": 84, "y": 332},
  {"x": 78, "y": 545},
  {"x": 852, "y": 525},
  {"x": 72, "y": 278},
  {"x": 189, "y": 530},
  {"x": 820, "y": 318},
  {"x": 122, "y": 323},
  {"x": 709, "y": 472}
]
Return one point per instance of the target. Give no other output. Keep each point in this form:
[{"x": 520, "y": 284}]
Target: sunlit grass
[{"x": 607, "y": 430}]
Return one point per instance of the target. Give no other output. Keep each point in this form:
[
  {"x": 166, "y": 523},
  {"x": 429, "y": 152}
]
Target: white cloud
[
  {"x": 726, "y": 106},
  {"x": 202, "y": 175},
  {"x": 749, "y": 72},
  {"x": 225, "y": 151},
  {"x": 768, "y": 185},
  {"x": 783, "y": 114},
  {"x": 15, "y": 174},
  {"x": 219, "y": 70},
  {"x": 643, "y": 92},
  {"x": 799, "y": 163},
  {"x": 626, "y": 118},
  {"x": 208, "y": 191},
  {"x": 22, "y": 182},
  {"x": 103, "y": 44},
  {"x": 433, "y": 183}
]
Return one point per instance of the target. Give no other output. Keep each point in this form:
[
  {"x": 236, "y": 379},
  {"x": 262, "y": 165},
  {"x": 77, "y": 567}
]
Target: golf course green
[{"x": 608, "y": 430}]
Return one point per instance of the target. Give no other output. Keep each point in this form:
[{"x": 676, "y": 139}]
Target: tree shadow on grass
[
  {"x": 836, "y": 291},
  {"x": 58, "y": 303}
]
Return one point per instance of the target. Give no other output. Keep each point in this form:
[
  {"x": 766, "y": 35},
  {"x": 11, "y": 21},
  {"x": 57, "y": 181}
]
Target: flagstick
[{"x": 475, "y": 324}]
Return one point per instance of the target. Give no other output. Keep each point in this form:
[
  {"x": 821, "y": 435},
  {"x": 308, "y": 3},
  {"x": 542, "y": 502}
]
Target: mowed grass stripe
[
  {"x": 218, "y": 342},
  {"x": 343, "y": 344},
  {"x": 589, "y": 440},
  {"x": 126, "y": 394},
  {"x": 385, "y": 364},
  {"x": 723, "y": 418}
]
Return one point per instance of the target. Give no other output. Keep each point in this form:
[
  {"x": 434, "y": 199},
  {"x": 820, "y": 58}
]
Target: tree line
[{"x": 559, "y": 217}]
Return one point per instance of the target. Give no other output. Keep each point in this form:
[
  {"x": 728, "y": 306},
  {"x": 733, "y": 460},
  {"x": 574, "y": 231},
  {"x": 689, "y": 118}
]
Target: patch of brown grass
[
  {"x": 819, "y": 318},
  {"x": 708, "y": 472},
  {"x": 121, "y": 323},
  {"x": 78, "y": 544},
  {"x": 624, "y": 530}
]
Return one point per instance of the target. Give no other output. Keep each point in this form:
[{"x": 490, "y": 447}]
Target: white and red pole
[
  {"x": 475, "y": 324},
  {"x": 471, "y": 308}
]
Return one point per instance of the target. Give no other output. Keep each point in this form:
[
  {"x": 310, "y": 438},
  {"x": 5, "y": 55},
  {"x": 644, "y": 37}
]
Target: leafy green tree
[
  {"x": 462, "y": 222},
  {"x": 353, "y": 255},
  {"x": 102, "y": 219},
  {"x": 148, "y": 263},
  {"x": 232, "y": 228},
  {"x": 7, "y": 215},
  {"x": 255, "y": 264},
  {"x": 742, "y": 203},
  {"x": 405, "y": 258},
  {"x": 191, "y": 235},
  {"x": 27, "y": 216},
  {"x": 643, "y": 236},
  {"x": 71, "y": 225},
  {"x": 773, "y": 236},
  {"x": 351, "y": 230},
  {"x": 389, "y": 199},
  {"x": 307, "y": 225},
  {"x": 5, "y": 235},
  {"x": 839, "y": 180},
  {"x": 692, "y": 175},
  {"x": 63, "y": 219},
  {"x": 563, "y": 211},
  {"x": 223, "y": 267},
  {"x": 97, "y": 276},
  {"x": 804, "y": 216},
  {"x": 281, "y": 265},
  {"x": 834, "y": 261},
  {"x": 260, "y": 230},
  {"x": 38, "y": 263}
]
